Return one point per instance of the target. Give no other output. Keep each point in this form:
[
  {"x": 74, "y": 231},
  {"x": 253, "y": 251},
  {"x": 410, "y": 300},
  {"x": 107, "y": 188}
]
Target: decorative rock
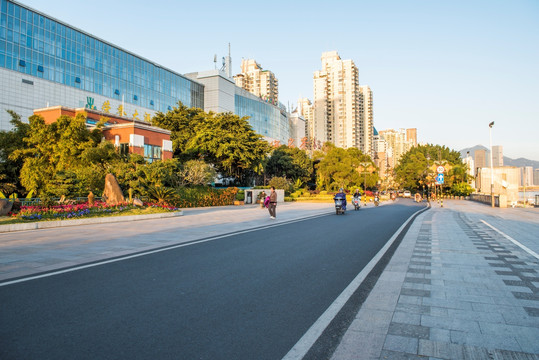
[
  {"x": 137, "y": 202},
  {"x": 112, "y": 194},
  {"x": 5, "y": 206},
  {"x": 91, "y": 199}
]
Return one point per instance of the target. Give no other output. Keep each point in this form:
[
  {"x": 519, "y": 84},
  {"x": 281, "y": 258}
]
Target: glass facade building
[
  {"x": 266, "y": 119},
  {"x": 42, "y": 48}
]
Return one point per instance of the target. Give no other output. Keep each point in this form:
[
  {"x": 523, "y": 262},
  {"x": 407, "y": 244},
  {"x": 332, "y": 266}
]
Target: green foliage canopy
[
  {"x": 10, "y": 166},
  {"x": 292, "y": 163},
  {"x": 343, "y": 168},
  {"x": 417, "y": 167}
]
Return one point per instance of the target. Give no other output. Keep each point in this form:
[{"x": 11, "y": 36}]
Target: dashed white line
[{"x": 528, "y": 250}]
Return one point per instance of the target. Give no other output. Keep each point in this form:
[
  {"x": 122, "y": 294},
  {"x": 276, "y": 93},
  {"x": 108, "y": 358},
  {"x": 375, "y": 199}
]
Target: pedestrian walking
[{"x": 272, "y": 207}]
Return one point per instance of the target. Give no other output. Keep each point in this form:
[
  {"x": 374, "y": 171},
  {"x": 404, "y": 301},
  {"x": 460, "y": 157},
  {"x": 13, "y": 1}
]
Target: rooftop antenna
[{"x": 215, "y": 61}]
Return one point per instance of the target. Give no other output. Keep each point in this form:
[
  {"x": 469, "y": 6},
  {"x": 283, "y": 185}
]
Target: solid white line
[
  {"x": 156, "y": 251},
  {"x": 528, "y": 250},
  {"x": 309, "y": 338}
]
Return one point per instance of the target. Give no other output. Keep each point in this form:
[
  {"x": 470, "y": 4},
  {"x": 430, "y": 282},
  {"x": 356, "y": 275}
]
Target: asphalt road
[{"x": 247, "y": 296}]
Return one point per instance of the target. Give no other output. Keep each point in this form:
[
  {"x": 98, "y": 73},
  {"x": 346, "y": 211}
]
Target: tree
[
  {"x": 197, "y": 172},
  {"x": 182, "y": 122},
  {"x": 230, "y": 143},
  {"x": 292, "y": 163},
  {"x": 224, "y": 140},
  {"x": 342, "y": 168},
  {"x": 10, "y": 167},
  {"x": 56, "y": 157},
  {"x": 418, "y": 167}
]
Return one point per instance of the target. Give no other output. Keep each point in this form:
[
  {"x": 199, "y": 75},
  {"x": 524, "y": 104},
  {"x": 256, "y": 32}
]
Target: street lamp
[
  {"x": 364, "y": 166},
  {"x": 491, "y": 167},
  {"x": 427, "y": 178}
]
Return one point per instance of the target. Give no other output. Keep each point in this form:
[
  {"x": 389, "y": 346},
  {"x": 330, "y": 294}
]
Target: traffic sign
[
  {"x": 440, "y": 169},
  {"x": 440, "y": 179}
]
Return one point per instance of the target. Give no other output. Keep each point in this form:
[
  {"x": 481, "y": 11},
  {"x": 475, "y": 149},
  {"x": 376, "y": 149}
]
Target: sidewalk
[{"x": 455, "y": 289}]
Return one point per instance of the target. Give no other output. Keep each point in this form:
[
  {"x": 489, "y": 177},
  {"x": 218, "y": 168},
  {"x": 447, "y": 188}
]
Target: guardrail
[{"x": 485, "y": 199}]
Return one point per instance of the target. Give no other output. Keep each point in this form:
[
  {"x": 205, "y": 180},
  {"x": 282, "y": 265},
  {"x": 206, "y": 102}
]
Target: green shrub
[{"x": 240, "y": 196}]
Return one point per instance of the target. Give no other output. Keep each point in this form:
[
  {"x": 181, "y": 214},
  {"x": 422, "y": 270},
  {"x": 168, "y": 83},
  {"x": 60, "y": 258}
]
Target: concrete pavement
[
  {"x": 458, "y": 287},
  {"x": 455, "y": 288}
]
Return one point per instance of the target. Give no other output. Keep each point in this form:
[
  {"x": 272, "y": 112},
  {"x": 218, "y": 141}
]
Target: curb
[{"x": 99, "y": 220}]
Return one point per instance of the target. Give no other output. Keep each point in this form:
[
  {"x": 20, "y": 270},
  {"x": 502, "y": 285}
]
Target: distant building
[
  {"x": 536, "y": 177},
  {"x": 366, "y": 123},
  {"x": 305, "y": 109},
  {"x": 411, "y": 136},
  {"x": 497, "y": 155},
  {"x": 398, "y": 143},
  {"x": 526, "y": 176},
  {"x": 480, "y": 159},
  {"x": 380, "y": 149},
  {"x": 337, "y": 101},
  {"x": 130, "y": 136},
  {"x": 260, "y": 82},
  {"x": 222, "y": 95},
  {"x": 297, "y": 129},
  {"x": 506, "y": 181}
]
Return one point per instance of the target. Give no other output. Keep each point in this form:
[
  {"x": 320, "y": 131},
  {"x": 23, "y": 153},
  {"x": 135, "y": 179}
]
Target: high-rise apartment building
[
  {"x": 411, "y": 136},
  {"x": 366, "y": 124},
  {"x": 305, "y": 109},
  {"x": 260, "y": 82},
  {"x": 337, "y": 101},
  {"x": 381, "y": 156},
  {"x": 397, "y": 141},
  {"x": 497, "y": 155}
]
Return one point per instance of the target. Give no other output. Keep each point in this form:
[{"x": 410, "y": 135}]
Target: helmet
[{"x": 341, "y": 189}]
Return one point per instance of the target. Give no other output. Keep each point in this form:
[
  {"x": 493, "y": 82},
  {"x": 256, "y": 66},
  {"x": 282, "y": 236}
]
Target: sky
[{"x": 447, "y": 68}]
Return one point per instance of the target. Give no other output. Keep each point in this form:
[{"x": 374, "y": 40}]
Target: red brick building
[{"x": 129, "y": 135}]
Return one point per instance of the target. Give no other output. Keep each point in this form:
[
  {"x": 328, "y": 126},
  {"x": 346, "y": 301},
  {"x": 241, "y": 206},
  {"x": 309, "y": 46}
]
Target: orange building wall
[{"x": 155, "y": 138}]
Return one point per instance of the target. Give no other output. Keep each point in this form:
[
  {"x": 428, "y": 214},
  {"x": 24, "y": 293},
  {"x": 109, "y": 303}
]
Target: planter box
[{"x": 238, "y": 202}]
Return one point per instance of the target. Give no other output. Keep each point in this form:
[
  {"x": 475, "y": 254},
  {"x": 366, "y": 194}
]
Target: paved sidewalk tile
[{"x": 462, "y": 290}]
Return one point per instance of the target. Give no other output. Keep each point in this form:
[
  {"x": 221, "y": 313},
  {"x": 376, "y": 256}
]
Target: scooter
[
  {"x": 340, "y": 207},
  {"x": 376, "y": 200},
  {"x": 356, "y": 201}
]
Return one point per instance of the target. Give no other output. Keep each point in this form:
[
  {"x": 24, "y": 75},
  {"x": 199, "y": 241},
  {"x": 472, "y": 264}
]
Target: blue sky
[{"x": 447, "y": 68}]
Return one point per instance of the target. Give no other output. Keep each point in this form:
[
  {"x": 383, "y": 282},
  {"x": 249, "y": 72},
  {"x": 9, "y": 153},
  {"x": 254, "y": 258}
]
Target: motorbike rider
[
  {"x": 357, "y": 194},
  {"x": 341, "y": 195}
]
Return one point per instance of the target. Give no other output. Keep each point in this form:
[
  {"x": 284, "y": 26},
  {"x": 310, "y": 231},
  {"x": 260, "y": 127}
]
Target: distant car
[{"x": 407, "y": 194}]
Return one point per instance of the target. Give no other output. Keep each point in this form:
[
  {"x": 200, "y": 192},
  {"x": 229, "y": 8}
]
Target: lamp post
[
  {"x": 364, "y": 166},
  {"x": 427, "y": 178},
  {"x": 491, "y": 167}
]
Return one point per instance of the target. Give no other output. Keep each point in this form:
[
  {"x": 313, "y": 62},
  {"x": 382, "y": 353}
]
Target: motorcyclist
[
  {"x": 357, "y": 194},
  {"x": 341, "y": 195}
]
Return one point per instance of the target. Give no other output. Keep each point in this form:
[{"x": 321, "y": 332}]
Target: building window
[
  {"x": 124, "y": 149},
  {"x": 152, "y": 153}
]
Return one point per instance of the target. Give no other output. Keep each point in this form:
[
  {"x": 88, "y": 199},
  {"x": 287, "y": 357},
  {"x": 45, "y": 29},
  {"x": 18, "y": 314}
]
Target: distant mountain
[{"x": 520, "y": 162}]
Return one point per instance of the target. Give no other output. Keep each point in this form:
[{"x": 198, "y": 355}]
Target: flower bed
[{"x": 84, "y": 210}]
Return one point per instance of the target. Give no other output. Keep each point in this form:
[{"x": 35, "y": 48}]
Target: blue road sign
[{"x": 440, "y": 179}]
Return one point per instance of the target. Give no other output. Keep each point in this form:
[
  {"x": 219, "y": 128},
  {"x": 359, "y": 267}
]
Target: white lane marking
[
  {"x": 528, "y": 250},
  {"x": 157, "y": 250},
  {"x": 309, "y": 338}
]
